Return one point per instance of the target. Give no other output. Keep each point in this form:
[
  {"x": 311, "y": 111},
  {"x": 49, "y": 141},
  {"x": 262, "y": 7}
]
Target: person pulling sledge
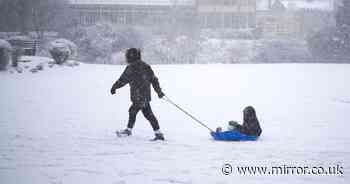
[{"x": 140, "y": 76}]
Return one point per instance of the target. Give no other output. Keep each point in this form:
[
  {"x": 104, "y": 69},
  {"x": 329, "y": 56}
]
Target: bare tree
[
  {"x": 48, "y": 15},
  {"x": 32, "y": 15},
  {"x": 14, "y": 15}
]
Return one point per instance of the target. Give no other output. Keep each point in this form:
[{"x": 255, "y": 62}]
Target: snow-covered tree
[
  {"x": 99, "y": 42},
  {"x": 181, "y": 49}
]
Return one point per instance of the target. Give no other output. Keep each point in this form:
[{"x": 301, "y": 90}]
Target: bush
[
  {"x": 5, "y": 50},
  {"x": 331, "y": 44},
  {"x": 106, "y": 43},
  {"x": 186, "y": 50},
  {"x": 99, "y": 42},
  {"x": 62, "y": 49},
  {"x": 181, "y": 49},
  {"x": 282, "y": 51},
  {"x": 225, "y": 51}
]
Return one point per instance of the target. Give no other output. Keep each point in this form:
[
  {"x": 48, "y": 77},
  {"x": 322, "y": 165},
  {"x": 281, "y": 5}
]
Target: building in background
[
  {"x": 226, "y": 14},
  {"x": 296, "y": 18},
  {"x": 130, "y": 12},
  {"x": 272, "y": 18},
  {"x": 275, "y": 21},
  {"x": 233, "y": 14}
]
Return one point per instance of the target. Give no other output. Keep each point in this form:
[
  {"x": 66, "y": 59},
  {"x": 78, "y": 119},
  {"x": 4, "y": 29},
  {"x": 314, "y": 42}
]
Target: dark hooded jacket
[
  {"x": 251, "y": 124},
  {"x": 139, "y": 75}
]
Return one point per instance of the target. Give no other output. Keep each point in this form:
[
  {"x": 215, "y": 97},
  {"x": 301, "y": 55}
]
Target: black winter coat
[
  {"x": 139, "y": 75},
  {"x": 250, "y": 128},
  {"x": 251, "y": 125}
]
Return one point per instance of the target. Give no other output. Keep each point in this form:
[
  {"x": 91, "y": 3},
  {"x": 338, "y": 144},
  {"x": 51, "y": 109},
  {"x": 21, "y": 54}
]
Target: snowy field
[{"x": 57, "y": 126}]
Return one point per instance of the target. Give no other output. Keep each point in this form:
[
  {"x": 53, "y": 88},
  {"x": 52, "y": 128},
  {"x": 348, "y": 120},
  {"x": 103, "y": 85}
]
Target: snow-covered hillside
[{"x": 57, "y": 126}]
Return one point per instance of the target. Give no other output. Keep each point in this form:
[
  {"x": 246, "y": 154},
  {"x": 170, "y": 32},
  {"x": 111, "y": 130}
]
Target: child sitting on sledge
[{"x": 250, "y": 125}]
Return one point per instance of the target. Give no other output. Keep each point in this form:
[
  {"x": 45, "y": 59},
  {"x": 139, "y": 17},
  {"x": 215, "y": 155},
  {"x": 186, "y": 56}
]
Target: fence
[{"x": 29, "y": 46}]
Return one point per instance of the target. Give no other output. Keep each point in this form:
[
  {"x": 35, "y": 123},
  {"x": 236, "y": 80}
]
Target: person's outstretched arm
[
  {"x": 122, "y": 81},
  {"x": 155, "y": 84}
]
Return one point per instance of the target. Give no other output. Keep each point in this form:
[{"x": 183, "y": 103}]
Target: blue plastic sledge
[{"x": 232, "y": 136}]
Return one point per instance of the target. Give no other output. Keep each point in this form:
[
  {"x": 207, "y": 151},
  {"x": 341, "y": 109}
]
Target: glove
[
  {"x": 232, "y": 125},
  {"x": 112, "y": 90},
  {"x": 161, "y": 95}
]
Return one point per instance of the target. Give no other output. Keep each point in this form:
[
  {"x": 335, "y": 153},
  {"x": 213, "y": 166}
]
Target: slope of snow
[{"x": 57, "y": 126}]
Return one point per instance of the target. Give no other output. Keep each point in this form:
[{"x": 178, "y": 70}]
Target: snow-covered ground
[{"x": 57, "y": 126}]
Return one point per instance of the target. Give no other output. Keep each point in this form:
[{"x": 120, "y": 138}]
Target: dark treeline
[
  {"x": 343, "y": 14},
  {"x": 33, "y": 15}
]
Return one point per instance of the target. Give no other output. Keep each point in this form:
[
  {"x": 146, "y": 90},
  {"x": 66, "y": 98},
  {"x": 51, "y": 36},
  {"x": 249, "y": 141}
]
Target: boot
[
  {"x": 159, "y": 136},
  {"x": 123, "y": 133}
]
